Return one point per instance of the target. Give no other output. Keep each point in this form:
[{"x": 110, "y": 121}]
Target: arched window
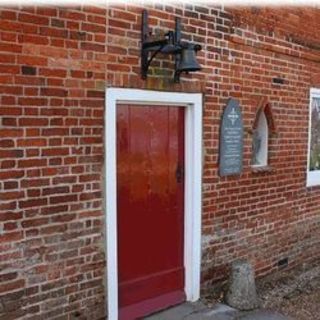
[
  {"x": 262, "y": 127},
  {"x": 260, "y": 142}
]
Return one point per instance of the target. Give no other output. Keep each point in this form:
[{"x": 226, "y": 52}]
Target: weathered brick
[
  {"x": 63, "y": 199},
  {"x": 10, "y": 185},
  {"x": 90, "y": 27},
  {"x": 32, "y": 203},
  {"x": 34, "y": 222},
  {"x": 29, "y": 163},
  {"x": 9, "y": 195},
  {"x": 6, "y": 143},
  {"x": 8, "y": 276},
  {"x": 10, "y": 237},
  {"x": 33, "y": 122},
  {"x": 11, "y": 132},
  {"x": 11, "y": 154},
  {"x": 92, "y": 46},
  {"x": 32, "y": 18},
  {"x": 31, "y": 60},
  {"x": 34, "y": 39},
  {"x": 55, "y": 152}
]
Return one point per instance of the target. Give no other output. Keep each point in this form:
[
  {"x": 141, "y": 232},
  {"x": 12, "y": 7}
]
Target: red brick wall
[
  {"x": 54, "y": 66},
  {"x": 52, "y": 83},
  {"x": 261, "y": 216}
]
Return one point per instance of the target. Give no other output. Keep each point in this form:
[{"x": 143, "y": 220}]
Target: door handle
[{"x": 180, "y": 173}]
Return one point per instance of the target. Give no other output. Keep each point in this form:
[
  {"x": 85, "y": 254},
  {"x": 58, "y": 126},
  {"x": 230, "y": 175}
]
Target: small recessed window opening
[
  {"x": 260, "y": 142},
  {"x": 262, "y": 127}
]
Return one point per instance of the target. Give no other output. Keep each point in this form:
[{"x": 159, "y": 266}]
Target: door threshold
[{"x": 150, "y": 306}]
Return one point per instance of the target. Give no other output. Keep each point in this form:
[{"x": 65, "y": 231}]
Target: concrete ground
[{"x": 198, "y": 311}]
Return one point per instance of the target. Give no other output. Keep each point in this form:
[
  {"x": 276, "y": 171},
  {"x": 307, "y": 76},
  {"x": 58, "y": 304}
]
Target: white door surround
[{"x": 193, "y": 181}]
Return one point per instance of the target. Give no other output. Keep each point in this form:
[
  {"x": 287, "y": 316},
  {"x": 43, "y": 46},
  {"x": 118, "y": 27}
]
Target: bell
[{"x": 188, "y": 61}]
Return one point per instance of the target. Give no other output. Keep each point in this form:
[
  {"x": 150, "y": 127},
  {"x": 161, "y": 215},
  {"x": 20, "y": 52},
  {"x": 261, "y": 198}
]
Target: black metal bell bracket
[{"x": 171, "y": 44}]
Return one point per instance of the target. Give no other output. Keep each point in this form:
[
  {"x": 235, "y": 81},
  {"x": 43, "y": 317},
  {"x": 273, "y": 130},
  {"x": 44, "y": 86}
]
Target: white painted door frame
[{"x": 193, "y": 181}]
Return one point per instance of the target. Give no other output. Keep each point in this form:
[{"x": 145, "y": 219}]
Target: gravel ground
[{"x": 294, "y": 293}]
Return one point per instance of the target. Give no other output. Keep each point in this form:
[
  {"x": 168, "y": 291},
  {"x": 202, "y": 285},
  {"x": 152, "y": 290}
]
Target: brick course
[{"x": 55, "y": 64}]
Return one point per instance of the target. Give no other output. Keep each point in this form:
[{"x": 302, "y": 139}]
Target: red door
[{"x": 150, "y": 197}]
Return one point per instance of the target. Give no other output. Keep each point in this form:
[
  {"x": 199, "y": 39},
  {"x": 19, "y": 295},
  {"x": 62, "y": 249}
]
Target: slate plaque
[{"x": 231, "y": 139}]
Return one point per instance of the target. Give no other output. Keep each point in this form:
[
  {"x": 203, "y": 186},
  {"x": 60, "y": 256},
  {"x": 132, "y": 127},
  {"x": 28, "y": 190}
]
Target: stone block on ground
[{"x": 242, "y": 292}]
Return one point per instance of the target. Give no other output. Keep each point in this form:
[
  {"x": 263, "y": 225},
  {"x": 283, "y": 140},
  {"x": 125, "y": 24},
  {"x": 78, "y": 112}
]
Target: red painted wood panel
[{"x": 150, "y": 148}]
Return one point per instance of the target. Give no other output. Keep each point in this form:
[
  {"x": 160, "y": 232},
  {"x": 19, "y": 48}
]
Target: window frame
[{"x": 313, "y": 177}]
